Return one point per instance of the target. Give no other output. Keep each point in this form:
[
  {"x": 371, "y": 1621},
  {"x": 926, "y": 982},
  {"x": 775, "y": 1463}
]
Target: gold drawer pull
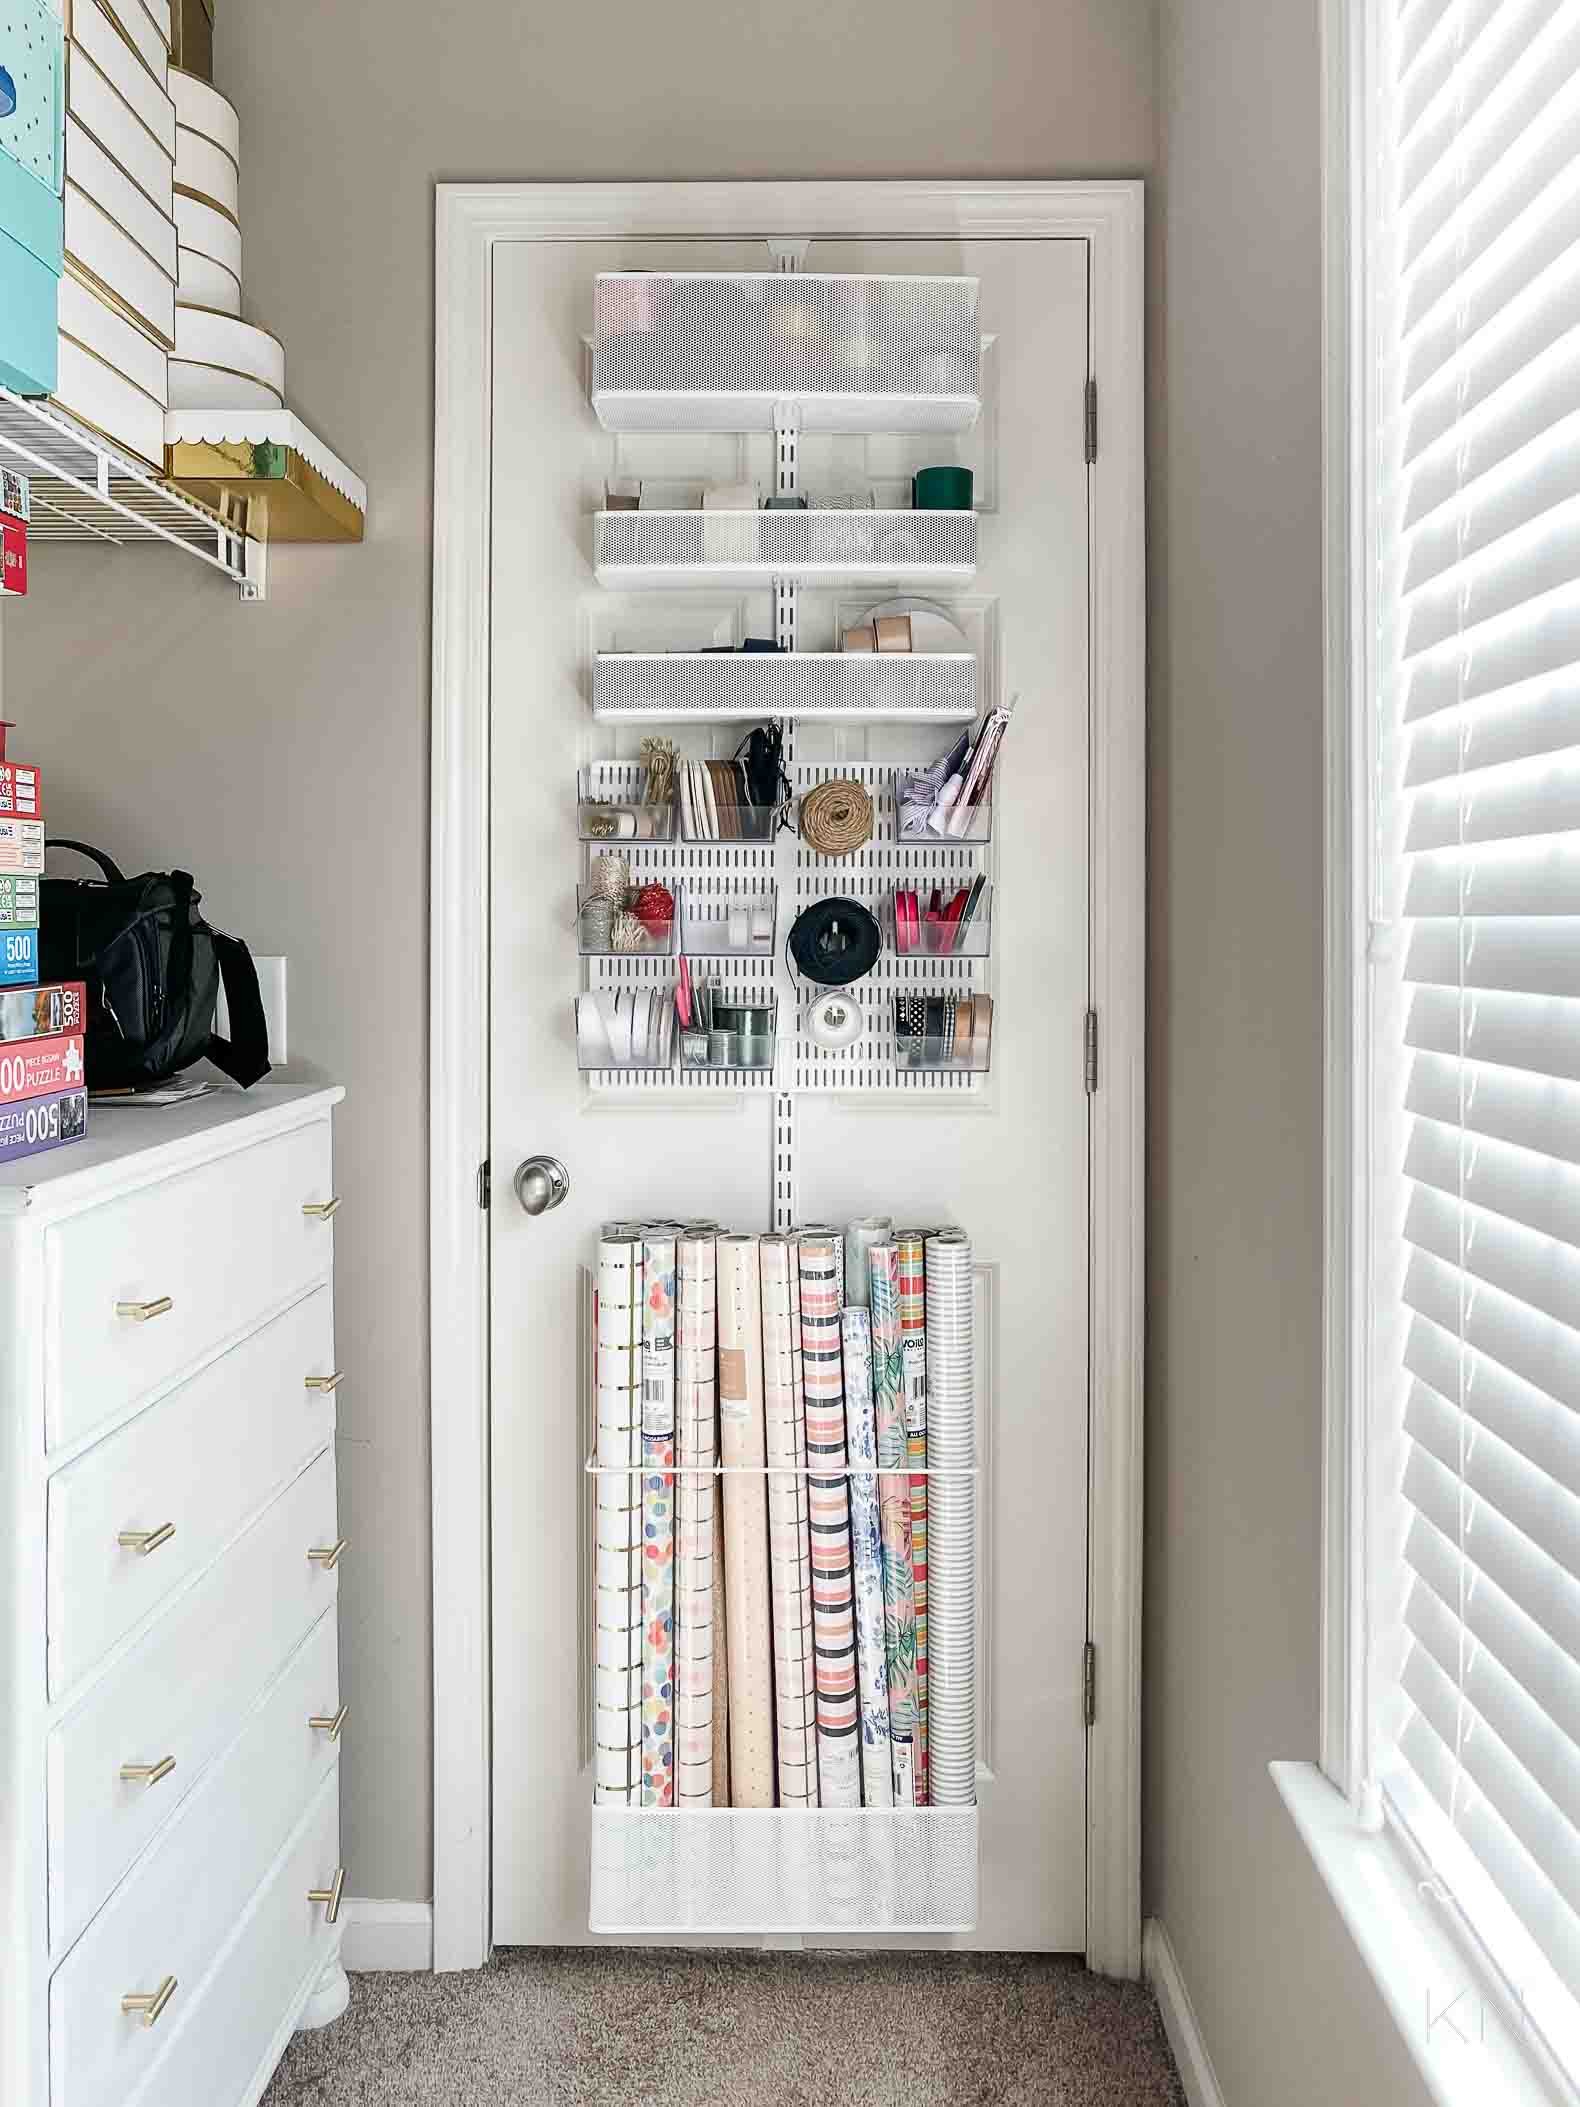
[
  {"x": 330, "y": 1896},
  {"x": 148, "y": 1773},
  {"x": 328, "y": 1555},
  {"x": 142, "y": 1312},
  {"x": 320, "y": 1210},
  {"x": 329, "y": 1723},
  {"x": 142, "y": 1541},
  {"x": 149, "y": 2003},
  {"x": 328, "y": 1384}
]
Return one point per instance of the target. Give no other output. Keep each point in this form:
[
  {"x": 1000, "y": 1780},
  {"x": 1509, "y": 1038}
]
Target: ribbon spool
[
  {"x": 836, "y": 818},
  {"x": 835, "y": 1021},
  {"x": 834, "y": 942}
]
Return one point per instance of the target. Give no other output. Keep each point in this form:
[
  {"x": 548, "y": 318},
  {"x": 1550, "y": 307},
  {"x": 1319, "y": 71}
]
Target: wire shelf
[
  {"x": 652, "y": 551},
  {"x": 84, "y": 490},
  {"x": 934, "y": 687}
]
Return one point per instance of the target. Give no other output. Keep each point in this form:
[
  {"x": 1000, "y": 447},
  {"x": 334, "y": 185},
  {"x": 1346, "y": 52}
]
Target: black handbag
[{"x": 153, "y": 969}]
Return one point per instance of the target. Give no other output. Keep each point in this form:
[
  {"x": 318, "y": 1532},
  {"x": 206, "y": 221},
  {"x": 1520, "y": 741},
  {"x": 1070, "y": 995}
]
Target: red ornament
[{"x": 654, "y": 908}]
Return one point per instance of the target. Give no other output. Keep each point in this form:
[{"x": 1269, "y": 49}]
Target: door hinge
[
  {"x": 485, "y": 1183},
  {"x": 1089, "y": 1051},
  {"x": 1091, "y": 420},
  {"x": 1089, "y": 1684}
]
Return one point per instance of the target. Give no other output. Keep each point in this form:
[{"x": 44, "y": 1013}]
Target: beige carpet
[{"x": 668, "y": 2029}]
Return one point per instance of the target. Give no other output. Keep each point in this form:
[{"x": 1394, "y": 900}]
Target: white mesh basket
[
  {"x": 725, "y": 351},
  {"x": 932, "y": 687},
  {"x": 668, "y": 549},
  {"x": 870, "y": 1869}
]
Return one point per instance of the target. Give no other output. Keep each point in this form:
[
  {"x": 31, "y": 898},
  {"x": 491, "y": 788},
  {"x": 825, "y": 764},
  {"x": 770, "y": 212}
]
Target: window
[{"x": 1469, "y": 717}]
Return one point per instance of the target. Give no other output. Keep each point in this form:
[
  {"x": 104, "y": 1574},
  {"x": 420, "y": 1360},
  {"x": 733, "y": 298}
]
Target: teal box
[
  {"x": 29, "y": 291},
  {"x": 32, "y": 217}
]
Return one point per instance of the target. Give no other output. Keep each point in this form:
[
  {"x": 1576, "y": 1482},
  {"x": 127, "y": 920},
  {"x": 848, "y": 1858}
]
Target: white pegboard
[{"x": 801, "y": 876}]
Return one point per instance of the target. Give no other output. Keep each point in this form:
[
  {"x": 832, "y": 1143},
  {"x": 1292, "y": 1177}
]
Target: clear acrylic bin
[
  {"x": 743, "y": 1038},
  {"x": 977, "y": 831},
  {"x": 626, "y": 1028},
  {"x": 730, "y": 924},
  {"x": 615, "y": 935},
  {"x": 926, "y": 920},
  {"x": 948, "y": 1030},
  {"x": 608, "y": 819}
]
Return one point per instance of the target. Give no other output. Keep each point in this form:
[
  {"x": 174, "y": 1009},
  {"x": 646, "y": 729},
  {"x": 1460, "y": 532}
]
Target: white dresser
[{"x": 170, "y": 1711}]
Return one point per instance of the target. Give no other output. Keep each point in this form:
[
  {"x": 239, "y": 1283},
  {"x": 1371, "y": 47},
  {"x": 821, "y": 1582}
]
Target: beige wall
[
  {"x": 1234, "y": 1414},
  {"x": 281, "y": 752}
]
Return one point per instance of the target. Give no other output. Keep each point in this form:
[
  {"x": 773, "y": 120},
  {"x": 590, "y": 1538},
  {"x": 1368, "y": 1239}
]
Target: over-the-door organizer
[{"x": 784, "y": 1465}]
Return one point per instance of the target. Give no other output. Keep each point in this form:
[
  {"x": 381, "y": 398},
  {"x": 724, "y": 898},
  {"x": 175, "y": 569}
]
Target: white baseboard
[
  {"x": 377, "y": 1935},
  {"x": 1179, "y": 2018}
]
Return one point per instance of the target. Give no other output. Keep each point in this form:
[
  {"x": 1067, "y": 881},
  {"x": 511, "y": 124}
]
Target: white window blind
[{"x": 1474, "y": 279}]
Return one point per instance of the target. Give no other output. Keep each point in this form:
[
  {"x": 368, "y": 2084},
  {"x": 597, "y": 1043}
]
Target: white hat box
[
  {"x": 94, "y": 392},
  {"x": 220, "y": 361},
  {"x": 100, "y": 108},
  {"x": 92, "y": 31},
  {"x": 206, "y": 171},
  {"x": 95, "y": 326},
  {"x": 202, "y": 109},
  {"x": 108, "y": 257},
  {"x": 141, "y": 31},
  {"x": 91, "y": 169},
  {"x": 201, "y": 282},
  {"x": 209, "y": 232}
]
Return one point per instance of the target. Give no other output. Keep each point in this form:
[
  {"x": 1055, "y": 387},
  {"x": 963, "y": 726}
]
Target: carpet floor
[{"x": 648, "y": 2028}]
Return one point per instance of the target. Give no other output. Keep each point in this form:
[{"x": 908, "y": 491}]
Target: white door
[{"x": 1007, "y": 1161}]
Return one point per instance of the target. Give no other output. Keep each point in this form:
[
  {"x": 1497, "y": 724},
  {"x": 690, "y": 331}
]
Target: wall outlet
[{"x": 271, "y": 986}]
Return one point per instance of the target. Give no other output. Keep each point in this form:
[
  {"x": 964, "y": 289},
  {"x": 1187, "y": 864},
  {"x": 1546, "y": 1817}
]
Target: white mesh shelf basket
[
  {"x": 634, "y": 551},
  {"x": 708, "y": 351},
  {"x": 871, "y": 1869},
  {"x": 927, "y": 687}
]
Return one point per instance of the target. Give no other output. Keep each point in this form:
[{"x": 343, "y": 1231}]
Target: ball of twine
[
  {"x": 836, "y": 818},
  {"x": 609, "y": 879}
]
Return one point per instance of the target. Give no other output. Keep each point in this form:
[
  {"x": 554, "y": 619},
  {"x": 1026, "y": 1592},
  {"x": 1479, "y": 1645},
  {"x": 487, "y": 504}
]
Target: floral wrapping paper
[
  {"x": 894, "y": 1517},
  {"x": 877, "y": 1768},
  {"x": 658, "y": 1522},
  {"x": 911, "y": 1252}
]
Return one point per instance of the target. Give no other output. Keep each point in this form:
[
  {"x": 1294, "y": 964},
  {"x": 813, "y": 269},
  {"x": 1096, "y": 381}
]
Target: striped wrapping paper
[
  {"x": 618, "y": 1600},
  {"x": 695, "y": 1410},
  {"x": 894, "y": 1517},
  {"x": 910, "y": 1251},
  {"x": 877, "y": 1767},
  {"x": 658, "y": 1518},
  {"x": 789, "y": 1542},
  {"x": 742, "y": 1450},
  {"x": 833, "y": 1602}
]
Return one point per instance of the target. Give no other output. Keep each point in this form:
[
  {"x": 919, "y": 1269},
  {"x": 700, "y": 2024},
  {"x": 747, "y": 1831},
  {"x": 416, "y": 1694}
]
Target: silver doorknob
[{"x": 541, "y": 1183}]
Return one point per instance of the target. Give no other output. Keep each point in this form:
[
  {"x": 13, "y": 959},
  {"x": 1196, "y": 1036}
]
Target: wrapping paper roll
[
  {"x": 910, "y": 1252},
  {"x": 696, "y": 1322},
  {"x": 894, "y": 1517},
  {"x": 877, "y": 1763},
  {"x": 833, "y": 1600},
  {"x": 789, "y": 1545},
  {"x": 951, "y": 1448},
  {"x": 742, "y": 1448},
  {"x": 859, "y": 1240},
  {"x": 658, "y": 1519},
  {"x": 618, "y": 1674},
  {"x": 721, "y": 1657}
]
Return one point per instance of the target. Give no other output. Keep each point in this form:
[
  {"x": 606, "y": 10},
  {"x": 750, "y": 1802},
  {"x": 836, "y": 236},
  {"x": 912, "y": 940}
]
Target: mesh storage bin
[
  {"x": 726, "y": 351},
  {"x": 939, "y": 687},
  {"x": 633, "y": 550},
  {"x": 871, "y": 1869}
]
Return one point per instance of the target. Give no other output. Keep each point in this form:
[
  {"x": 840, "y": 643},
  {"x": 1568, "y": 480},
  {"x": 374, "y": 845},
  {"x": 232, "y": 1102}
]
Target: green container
[{"x": 942, "y": 489}]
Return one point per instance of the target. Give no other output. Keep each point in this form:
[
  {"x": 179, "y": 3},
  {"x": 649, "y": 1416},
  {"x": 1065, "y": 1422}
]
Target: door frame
[{"x": 471, "y": 220}]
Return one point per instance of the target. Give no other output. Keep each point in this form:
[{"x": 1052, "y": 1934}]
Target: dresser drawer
[
  {"x": 222, "y": 1245},
  {"x": 214, "y": 2054},
  {"x": 183, "y": 1900},
  {"x": 182, "y": 1695},
  {"x": 200, "y": 1462}
]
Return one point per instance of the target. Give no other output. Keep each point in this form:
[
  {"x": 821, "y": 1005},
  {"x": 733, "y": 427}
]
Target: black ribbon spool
[{"x": 834, "y": 942}]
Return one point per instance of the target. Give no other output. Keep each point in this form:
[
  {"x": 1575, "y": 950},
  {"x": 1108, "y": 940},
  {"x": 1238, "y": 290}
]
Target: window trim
[{"x": 1418, "y": 1949}]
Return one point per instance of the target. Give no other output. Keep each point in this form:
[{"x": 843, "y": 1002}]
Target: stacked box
[
  {"x": 31, "y": 215},
  {"x": 15, "y": 510},
  {"x": 43, "y": 1095},
  {"x": 21, "y": 866}
]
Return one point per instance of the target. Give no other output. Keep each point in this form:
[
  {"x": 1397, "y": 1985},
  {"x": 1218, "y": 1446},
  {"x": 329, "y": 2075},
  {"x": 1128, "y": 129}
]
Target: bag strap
[
  {"x": 110, "y": 868},
  {"x": 244, "y": 1056}
]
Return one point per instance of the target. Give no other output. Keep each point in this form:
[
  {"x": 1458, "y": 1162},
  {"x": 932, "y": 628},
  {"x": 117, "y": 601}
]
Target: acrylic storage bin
[
  {"x": 602, "y": 815},
  {"x": 924, "y": 918},
  {"x": 976, "y": 823},
  {"x": 950, "y": 1030},
  {"x": 729, "y": 924},
  {"x": 606, "y": 931},
  {"x": 632, "y": 1027},
  {"x": 741, "y": 1037}
]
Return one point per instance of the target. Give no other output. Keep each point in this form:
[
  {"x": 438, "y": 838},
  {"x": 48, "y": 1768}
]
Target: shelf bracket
[
  {"x": 788, "y": 251},
  {"x": 253, "y": 581}
]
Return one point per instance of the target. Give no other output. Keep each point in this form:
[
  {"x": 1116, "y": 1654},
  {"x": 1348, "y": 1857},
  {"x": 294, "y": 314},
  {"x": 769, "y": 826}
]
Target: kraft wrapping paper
[
  {"x": 617, "y": 1692},
  {"x": 743, "y": 1452},
  {"x": 658, "y": 1519},
  {"x": 877, "y": 1760},
  {"x": 789, "y": 1536},
  {"x": 910, "y": 1252},
  {"x": 833, "y": 1598},
  {"x": 894, "y": 1517},
  {"x": 696, "y": 1333}
]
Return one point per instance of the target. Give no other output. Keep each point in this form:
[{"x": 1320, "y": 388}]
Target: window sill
[{"x": 1466, "y": 2052}]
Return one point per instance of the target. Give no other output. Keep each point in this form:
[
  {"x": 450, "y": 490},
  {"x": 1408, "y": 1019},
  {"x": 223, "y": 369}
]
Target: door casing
[{"x": 471, "y": 220}]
